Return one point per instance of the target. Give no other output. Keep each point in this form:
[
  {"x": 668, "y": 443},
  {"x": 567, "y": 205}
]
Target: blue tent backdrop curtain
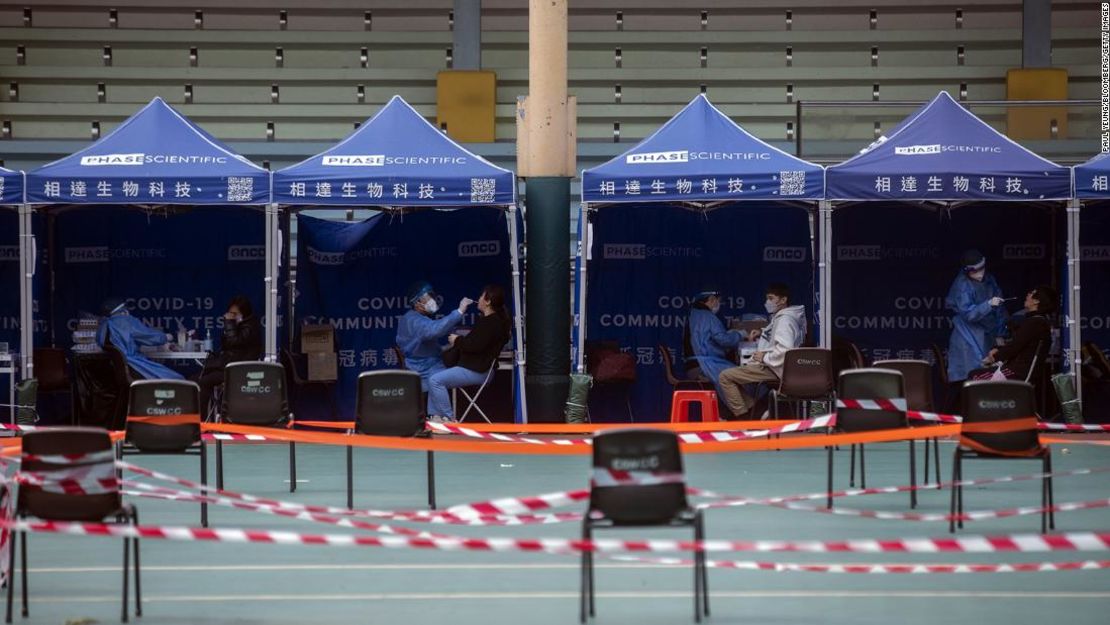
[
  {"x": 699, "y": 203},
  {"x": 940, "y": 182},
  {"x": 158, "y": 212},
  {"x": 399, "y": 163},
  {"x": 1092, "y": 186}
]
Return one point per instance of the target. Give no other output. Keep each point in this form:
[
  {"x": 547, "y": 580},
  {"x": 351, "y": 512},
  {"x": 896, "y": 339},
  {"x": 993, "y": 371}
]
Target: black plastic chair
[
  {"x": 807, "y": 375},
  {"x": 870, "y": 384},
  {"x": 636, "y": 505},
  {"x": 677, "y": 383},
  {"x": 917, "y": 375},
  {"x": 255, "y": 394},
  {"x": 164, "y": 398},
  {"x": 299, "y": 383},
  {"x": 389, "y": 403},
  {"x": 48, "y": 503},
  {"x": 1003, "y": 400}
]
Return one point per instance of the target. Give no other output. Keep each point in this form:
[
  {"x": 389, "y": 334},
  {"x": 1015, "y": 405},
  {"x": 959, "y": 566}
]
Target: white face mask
[
  {"x": 431, "y": 306},
  {"x": 715, "y": 308},
  {"x": 770, "y": 307},
  {"x": 978, "y": 275}
]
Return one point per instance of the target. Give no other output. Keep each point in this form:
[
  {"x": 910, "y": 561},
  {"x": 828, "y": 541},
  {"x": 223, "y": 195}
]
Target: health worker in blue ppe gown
[
  {"x": 709, "y": 341},
  {"x": 978, "y": 317},
  {"x": 127, "y": 334},
  {"x": 419, "y": 333}
]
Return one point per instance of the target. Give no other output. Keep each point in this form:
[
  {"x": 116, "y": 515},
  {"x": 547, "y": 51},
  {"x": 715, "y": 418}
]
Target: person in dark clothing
[
  {"x": 241, "y": 340},
  {"x": 471, "y": 357},
  {"x": 1032, "y": 337}
]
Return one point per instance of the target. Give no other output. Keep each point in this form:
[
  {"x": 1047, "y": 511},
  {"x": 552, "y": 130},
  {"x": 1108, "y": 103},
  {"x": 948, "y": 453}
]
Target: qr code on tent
[
  {"x": 792, "y": 183},
  {"x": 483, "y": 190},
  {"x": 240, "y": 189}
]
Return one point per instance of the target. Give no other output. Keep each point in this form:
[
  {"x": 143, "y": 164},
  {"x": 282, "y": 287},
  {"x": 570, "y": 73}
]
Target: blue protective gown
[
  {"x": 127, "y": 334},
  {"x": 418, "y": 337},
  {"x": 975, "y": 323},
  {"x": 710, "y": 340}
]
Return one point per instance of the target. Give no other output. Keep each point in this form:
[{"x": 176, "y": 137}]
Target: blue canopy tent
[
  {"x": 11, "y": 196},
  {"x": 162, "y": 163},
  {"x": 1092, "y": 190},
  {"x": 647, "y": 259},
  {"x": 940, "y": 157},
  {"x": 398, "y": 163}
]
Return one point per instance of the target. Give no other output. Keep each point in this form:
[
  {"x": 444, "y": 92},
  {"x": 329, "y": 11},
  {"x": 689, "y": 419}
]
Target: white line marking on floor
[{"x": 564, "y": 595}]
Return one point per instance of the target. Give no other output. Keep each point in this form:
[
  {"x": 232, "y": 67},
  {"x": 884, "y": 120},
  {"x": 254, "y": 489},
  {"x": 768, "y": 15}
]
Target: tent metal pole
[
  {"x": 271, "y": 281},
  {"x": 519, "y": 360},
  {"x": 1074, "y": 317},
  {"x": 27, "y": 253},
  {"x": 580, "y": 274},
  {"x": 825, "y": 209}
]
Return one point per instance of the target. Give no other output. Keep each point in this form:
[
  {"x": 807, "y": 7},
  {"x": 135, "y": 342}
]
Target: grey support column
[
  {"x": 1036, "y": 33},
  {"x": 466, "y": 39}
]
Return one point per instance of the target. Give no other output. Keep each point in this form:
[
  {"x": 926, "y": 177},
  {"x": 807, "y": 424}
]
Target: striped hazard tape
[
  {"x": 871, "y": 569},
  {"x": 1011, "y": 543}
]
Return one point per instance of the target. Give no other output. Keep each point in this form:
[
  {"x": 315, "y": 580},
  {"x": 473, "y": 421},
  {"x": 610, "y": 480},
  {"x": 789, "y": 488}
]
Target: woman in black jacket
[
  {"x": 471, "y": 358},
  {"x": 1032, "y": 337},
  {"x": 241, "y": 340}
]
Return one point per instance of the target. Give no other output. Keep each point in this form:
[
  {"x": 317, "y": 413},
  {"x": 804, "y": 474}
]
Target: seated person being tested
[
  {"x": 786, "y": 330},
  {"x": 470, "y": 357},
  {"x": 128, "y": 334},
  {"x": 240, "y": 340},
  {"x": 419, "y": 333}
]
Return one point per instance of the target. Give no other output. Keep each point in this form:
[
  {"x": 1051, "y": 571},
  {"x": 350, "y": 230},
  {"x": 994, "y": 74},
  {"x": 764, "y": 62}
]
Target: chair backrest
[
  {"x": 389, "y": 403},
  {"x": 255, "y": 393},
  {"x": 870, "y": 384},
  {"x": 50, "y": 369},
  {"x": 289, "y": 361},
  {"x": 163, "y": 398},
  {"x": 917, "y": 376},
  {"x": 668, "y": 364},
  {"x": 988, "y": 400},
  {"x": 807, "y": 373},
  {"x": 400, "y": 354},
  {"x": 37, "y": 501},
  {"x": 637, "y": 450},
  {"x": 942, "y": 362}
]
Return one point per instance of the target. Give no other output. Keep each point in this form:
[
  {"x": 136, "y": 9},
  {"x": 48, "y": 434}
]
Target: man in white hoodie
[{"x": 786, "y": 330}]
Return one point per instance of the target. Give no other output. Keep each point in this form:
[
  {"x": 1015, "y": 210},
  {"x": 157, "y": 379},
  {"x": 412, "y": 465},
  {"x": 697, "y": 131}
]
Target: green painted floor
[{"x": 74, "y": 578}]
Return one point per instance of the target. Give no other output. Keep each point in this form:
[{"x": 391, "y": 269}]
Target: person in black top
[
  {"x": 241, "y": 340},
  {"x": 470, "y": 358},
  {"x": 1032, "y": 337}
]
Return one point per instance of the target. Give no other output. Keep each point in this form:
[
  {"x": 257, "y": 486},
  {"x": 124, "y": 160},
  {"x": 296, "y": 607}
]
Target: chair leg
[
  {"x": 23, "y": 572},
  {"x": 138, "y": 570},
  {"x": 913, "y": 474},
  {"x": 11, "y": 576},
  {"x": 960, "y": 497},
  {"x": 219, "y": 465},
  {"x": 126, "y": 574},
  {"x": 936, "y": 459},
  {"x": 852, "y": 466},
  {"x": 590, "y": 572},
  {"x": 204, "y": 482},
  {"x": 926, "y": 480},
  {"x": 292, "y": 466},
  {"x": 1051, "y": 497},
  {"x": 350, "y": 478},
  {"x": 955, "y": 488},
  {"x": 584, "y": 583},
  {"x": 431, "y": 480},
  {"x": 699, "y": 520},
  {"x": 829, "y": 479},
  {"x": 862, "y": 466}
]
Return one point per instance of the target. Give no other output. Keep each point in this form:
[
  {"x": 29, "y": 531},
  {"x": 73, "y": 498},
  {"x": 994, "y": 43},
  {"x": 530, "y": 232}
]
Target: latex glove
[
  {"x": 996, "y": 301},
  {"x": 465, "y": 303}
]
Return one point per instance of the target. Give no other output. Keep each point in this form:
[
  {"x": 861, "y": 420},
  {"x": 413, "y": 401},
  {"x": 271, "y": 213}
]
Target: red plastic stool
[{"x": 680, "y": 405}]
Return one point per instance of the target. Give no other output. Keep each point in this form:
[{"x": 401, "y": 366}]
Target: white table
[
  {"x": 8, "y": 366},
  {"x": 164, "y": 354}
]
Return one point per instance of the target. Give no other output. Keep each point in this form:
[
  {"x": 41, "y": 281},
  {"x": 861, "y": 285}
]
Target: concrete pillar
[
  {"x": 466, "y": 38},
  {"x": 545, "y": 150},
  {"x": 1036, "y": 33}
]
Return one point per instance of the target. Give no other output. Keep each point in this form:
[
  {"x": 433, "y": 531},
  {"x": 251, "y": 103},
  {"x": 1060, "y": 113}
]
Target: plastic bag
[{"x": 577, "y": 396}]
